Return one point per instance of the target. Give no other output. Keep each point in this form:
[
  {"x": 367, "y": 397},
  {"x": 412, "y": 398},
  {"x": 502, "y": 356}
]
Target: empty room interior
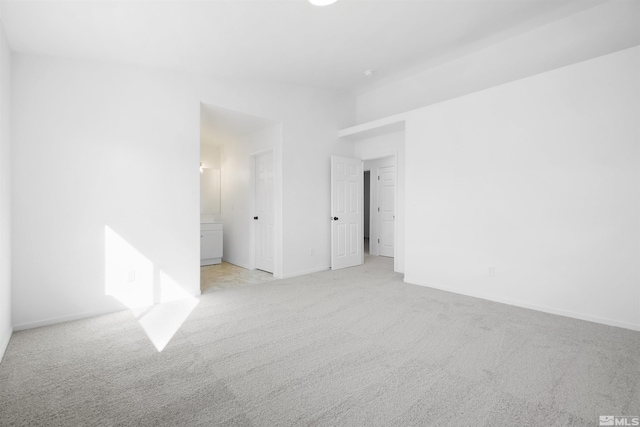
[{"x": 316, "y": 212}]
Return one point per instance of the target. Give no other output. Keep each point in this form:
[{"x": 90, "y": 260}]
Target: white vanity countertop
[{"x": 209, "y": 221}]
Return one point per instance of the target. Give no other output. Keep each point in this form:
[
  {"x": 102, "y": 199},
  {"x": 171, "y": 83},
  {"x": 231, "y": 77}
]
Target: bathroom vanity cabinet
[{"x": 210, "y": 243}]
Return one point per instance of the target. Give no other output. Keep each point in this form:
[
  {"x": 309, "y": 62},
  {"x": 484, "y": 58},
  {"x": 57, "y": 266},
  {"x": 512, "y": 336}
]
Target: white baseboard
[
  {"x": 544, "y": 309},
  {"x": 54, "y": 320},
  {"x": 302, "y": 273},
  {"x": 210, "y": 261},
  {"x": 78, "y": 316},
  {"x": 4, "y": 341},
  {"x": 237, "y": 264}
]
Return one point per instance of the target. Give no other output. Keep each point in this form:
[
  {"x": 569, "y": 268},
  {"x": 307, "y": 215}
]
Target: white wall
[
  {"x": 5, "y": 193},
  {"x": 210, "y": 156},
  {"x": 539, "y": 179},
  {"x": 99, "y": 144},
  {"x": 391, "y": 144},
  {"x": 306, "y": 184},
  {"x": 94, "y": 146},
  {"x": 576, "y": 38}
]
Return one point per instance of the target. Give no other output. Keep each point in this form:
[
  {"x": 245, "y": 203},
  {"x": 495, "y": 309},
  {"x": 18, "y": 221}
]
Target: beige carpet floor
[{"x": 354, "y": 347}]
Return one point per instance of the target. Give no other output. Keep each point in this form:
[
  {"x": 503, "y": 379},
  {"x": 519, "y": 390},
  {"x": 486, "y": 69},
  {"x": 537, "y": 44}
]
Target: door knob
[
  {"x": 335, "y": 218},
  {"x": 255, "y": 217}
]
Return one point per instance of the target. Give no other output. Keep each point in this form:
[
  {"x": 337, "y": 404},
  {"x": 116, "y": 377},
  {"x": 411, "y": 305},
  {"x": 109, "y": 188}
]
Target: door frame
[
  {"x": 277, "y": 261},
  {"x": 394, "y": 155}
]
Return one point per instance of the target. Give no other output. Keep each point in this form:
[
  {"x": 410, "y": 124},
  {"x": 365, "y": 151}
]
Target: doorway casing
[
  {"x": 392, "y": 155},
  {"x": 247, "y": 136}
]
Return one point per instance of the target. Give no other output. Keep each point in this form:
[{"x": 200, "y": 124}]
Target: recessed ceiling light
[
  {"x": 368, "y": 73},
  {"x": 322, "y": 2}
]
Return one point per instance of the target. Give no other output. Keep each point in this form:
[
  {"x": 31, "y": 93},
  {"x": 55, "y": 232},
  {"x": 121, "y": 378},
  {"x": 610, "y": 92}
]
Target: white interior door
[
  {"x": 347, "y": 215},
  {"x": 264, "y": 215},
  {"x": 387, "y": 210}
]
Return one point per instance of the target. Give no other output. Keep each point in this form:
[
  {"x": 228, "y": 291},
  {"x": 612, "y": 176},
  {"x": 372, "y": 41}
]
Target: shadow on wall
[{"x": 157, "y": 301}]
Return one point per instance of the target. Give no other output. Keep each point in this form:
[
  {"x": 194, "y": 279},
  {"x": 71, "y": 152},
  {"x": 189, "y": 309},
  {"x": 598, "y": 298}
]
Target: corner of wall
[
  {"x": 6, "y": 328},
  {"x": 5, "y": 337}
]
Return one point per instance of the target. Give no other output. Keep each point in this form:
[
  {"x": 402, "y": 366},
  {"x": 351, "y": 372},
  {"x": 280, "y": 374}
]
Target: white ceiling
[{"x": 287, "y": 41}]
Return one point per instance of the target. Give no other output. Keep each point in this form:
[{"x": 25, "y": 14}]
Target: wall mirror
[{"x": 210, "y": 191}]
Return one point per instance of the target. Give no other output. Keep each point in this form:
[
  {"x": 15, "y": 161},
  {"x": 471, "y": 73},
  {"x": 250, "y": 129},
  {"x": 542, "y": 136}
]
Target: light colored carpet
[{"x": 354, "y": 347}]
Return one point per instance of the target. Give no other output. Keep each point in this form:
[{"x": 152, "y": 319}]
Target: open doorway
[
  {"x": 387, "y": 144},
  {"x": 349, "y": 235},
  {"x": 230, "y": 143},
  {"x": 380, "y": 201}
]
